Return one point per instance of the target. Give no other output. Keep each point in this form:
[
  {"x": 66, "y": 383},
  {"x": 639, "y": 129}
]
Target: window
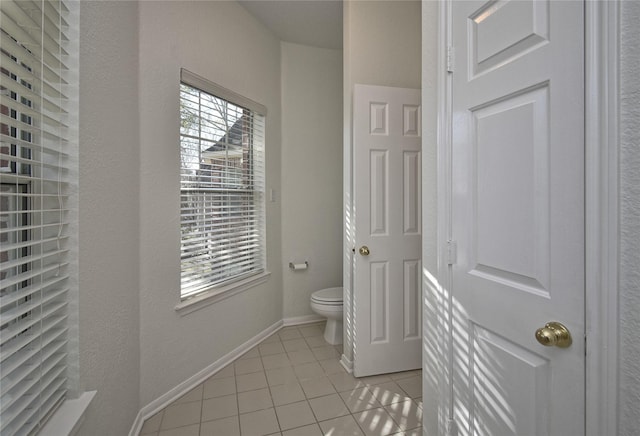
[
  {"x": 35, "y": 154},
  {"x": 221, "y": 186}
]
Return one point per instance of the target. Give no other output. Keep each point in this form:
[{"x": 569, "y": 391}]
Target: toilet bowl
[{"x": 328, "y": 303}]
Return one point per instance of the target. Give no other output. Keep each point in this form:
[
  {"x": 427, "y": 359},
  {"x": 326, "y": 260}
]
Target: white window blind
[
  {"x": 222, "y": 186},
  {"x": 34, "y": 186}
]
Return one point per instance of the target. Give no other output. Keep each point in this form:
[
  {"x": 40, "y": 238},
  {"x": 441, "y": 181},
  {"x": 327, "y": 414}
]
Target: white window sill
[
  {"x": 68, "y": 418},
  {"x": 213, "y": 296}
]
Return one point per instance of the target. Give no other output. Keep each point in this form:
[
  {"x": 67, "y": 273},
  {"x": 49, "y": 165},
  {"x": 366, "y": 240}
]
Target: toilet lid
[{"x": 329, "y": 295}]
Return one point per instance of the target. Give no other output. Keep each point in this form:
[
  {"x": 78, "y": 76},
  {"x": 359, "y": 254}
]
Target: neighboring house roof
[{"x": 230, "y": 145}]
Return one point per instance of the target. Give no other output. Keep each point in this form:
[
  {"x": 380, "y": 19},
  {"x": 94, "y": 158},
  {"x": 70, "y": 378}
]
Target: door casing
[{"x": 601, "y": 221}]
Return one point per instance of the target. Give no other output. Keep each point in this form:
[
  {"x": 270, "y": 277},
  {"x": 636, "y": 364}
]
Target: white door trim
[
  {"x": 601, "y": 215},
  {"x": 601, "y": 218}
]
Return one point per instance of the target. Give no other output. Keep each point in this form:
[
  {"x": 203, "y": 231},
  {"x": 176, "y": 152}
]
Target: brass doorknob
[
  {"x": 554, "y": 334},
  {"x": 364, "y": 250}
]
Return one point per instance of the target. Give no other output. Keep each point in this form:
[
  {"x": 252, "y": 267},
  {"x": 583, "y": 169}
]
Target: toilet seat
[
  {"x": 328, "y": 304},
  {"x": 329, "y": 296}
]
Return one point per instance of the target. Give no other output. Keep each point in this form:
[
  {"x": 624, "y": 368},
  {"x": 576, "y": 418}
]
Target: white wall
[
  {"x": 629, "y": 219},
  {"x": 108, "y": 216},
  {"x": 311, "y": 172},
  {"x": 381, "y": 46},
  {"x": 223, "y": 43}
]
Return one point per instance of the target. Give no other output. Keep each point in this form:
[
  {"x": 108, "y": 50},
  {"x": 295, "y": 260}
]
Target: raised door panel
[
  {"x": 510, "y": 171},
  {"x": 512, "y": 401}
]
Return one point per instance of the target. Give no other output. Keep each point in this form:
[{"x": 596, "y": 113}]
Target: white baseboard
[
  {"x": 298, "y": 320},
  {"x": 163, "y": 401},
  {"x": 346, "y": 364}
]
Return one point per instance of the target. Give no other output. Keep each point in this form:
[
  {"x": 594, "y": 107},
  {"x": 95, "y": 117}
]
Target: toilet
[{"x": 328, "y": 303}]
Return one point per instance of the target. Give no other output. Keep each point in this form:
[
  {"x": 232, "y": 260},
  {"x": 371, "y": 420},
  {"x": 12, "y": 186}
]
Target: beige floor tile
[
  {"x": 343, "y": 426},
  {"x": 262, "y": 422},
  {"x": 295, "y": 345},
  {"x": 328, "y": 407},
  {"x": 407, "y": 414},
  {"x": 413, "y": 432},
  {"x": 273, "y": 338},
  {"x": 292, "y": 384},
  {"x": 219, "y": 387},
  {"x": 254, "y": 400},
  {"x": 309, "y": 370},
  {"x": 225, "y": 372},
  {"x": 275, "y": 361},
  {"x": 280, "y": 376},
  {"x": 316, "y": 341},
  {"x": 286, "y": 394},
  {"x": 302, "y": 356},
  {"x": 179, "y": 415},
  {"x": 376, "y": 422},
  {"x": 388, "y": 393},
  {"x": 288, "y": 333},
  {"x": 375, "y": 379},
  {"x": 251, "y": 382},
  {"x": 193, "y": 395},
  {"x": 295, "y": 415},
  {"x": 252, "y": 353},
  {"x": 152, "y": 425},
  {"x": 189, "y": 430},
  {"x": 229, "y": 426},
  {"x": 220, "y": 407},
  {"x": 412, "y": 386},
  {"x": 312, "y": 330},
  {"x": 307, "y": 430},
  {"x": 325, "y": 352},
  {"x": 344, "y": 381},
  {"x": 359, "y": 399},
  {"x": 317, "y": 387},
  {"x": 271, "y": 348},
  {"x": 248, "y": 366},
  {"x": 332, "y": 366}
]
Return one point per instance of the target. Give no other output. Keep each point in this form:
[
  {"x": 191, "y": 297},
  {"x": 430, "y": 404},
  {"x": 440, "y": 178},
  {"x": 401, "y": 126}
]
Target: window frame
[{"x": 233, "y": 285}]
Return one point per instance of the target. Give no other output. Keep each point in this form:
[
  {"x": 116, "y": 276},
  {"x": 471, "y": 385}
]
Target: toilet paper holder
[{"x": 298, "y": 266}]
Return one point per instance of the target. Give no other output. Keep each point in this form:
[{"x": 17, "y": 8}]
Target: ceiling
[{"x": 316, "y": 23}]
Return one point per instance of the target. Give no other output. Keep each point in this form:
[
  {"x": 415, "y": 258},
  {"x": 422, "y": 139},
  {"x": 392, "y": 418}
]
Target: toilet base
[{"x": 333, "y": 331}]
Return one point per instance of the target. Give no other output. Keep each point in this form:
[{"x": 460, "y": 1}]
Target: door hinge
[
  {"x": 452, "y": 252},
  {"x": 450, "y": 58},
  {"x": 585, "y": 345}
]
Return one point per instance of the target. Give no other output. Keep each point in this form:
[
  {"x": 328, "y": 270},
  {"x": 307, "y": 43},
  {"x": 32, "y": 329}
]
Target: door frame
[{"x": 601, "y": 226}]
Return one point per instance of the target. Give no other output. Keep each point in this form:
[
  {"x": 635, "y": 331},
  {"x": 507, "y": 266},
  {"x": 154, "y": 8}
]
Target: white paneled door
[
  {"x": 517, "y": 217},
  {"x": 387, "y": 216}
]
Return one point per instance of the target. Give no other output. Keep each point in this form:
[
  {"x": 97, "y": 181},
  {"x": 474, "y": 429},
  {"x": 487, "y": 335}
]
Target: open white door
[
  {"x": 517, "y": 200},
  {"x": 387, "y": 216}
]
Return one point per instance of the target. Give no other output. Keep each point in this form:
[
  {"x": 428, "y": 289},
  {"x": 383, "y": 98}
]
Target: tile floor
[{"x": 292, "y": 384}]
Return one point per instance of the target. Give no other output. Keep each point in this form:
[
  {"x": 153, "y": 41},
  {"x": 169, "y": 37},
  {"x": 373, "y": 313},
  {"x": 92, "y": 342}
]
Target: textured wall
[
  {"x": 108, "y": 226},
  {"x": 218, "y": 40},
  {"x": 311, "y": 172},
  {"x": 629, "y": 218}
]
